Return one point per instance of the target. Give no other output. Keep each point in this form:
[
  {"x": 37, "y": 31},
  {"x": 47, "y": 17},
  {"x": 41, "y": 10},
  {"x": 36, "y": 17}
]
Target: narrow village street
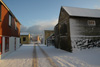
[
  {"x": 53, "y": 33},
  {"x": 34, "y": 55}
]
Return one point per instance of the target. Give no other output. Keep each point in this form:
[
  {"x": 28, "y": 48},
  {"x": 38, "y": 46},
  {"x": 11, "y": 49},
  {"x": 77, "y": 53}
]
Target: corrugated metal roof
[{"x": 82, "y": 12}]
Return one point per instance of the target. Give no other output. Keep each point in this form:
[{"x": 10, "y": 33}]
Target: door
[
  {"x": 0, "y": 45},
  {"x": 6, "y": 44},
  {"x": 15, "y": 43}
]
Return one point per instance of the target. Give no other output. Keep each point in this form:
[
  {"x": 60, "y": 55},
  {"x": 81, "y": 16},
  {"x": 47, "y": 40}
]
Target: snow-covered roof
[
  {"x": 82, "y": 12},
  {"x": 24, "y": 33}
]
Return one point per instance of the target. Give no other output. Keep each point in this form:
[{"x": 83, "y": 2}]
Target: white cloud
[
  {"x": 23, "y": 28},
  {"x": 39, "y": 27},
  {"x": 46, "y": 22},
  {"x": 97, "y": 7}
]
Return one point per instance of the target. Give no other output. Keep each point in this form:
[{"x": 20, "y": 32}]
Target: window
[
  {"x": 15, "y": 25},
  {"x": 91, "y": 22},
  {"x": 10, "y": 20},
  {"x": 0, "y": 11},
  {"x": 24, "y": 38},
  {"x": 6, "y": 44}
]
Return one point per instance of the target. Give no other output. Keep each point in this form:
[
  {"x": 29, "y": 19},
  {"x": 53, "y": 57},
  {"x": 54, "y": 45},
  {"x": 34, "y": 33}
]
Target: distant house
[
  {"x": 24, "y": 38},
  {"x": 77, "y": 28},
  {"x": 47, "y": 33},
  {"x": 9, "y": 31},
  {"x": 36, "y": 38}
]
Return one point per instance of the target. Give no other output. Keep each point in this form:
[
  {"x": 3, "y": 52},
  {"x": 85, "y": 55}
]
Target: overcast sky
[{"x": 38, "y": 15}]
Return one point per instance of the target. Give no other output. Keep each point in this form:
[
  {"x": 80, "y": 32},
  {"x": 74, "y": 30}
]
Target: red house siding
[
  {"x": 5, "y": 29},
  {"x": 9, "y": 32},
  {"x": 18, "y": 26}
]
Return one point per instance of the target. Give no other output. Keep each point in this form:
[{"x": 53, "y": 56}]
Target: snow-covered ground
[
  {"x": 23, "y": 57},
  {"x": 20, "y": 58},
  {"x": 84, "y": 58},
  {"x": 42, "y": 61}
]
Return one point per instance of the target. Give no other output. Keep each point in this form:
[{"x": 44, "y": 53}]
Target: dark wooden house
[{"x": 77, "y": 28}]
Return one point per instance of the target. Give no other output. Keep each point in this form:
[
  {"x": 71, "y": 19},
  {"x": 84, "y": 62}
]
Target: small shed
[
  {"x": 77, "y": 28},
  {"x": 47, "y": 33},
  {"x": 50, "y": 40},
  {"x": 25, "y": 38}
]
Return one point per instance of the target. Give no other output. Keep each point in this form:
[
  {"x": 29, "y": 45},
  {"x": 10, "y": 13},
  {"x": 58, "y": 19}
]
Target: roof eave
[
  {"x": 9, "y": 10},
  {"x": 84, "y": 16}
]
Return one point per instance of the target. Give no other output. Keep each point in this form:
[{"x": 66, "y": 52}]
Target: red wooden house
[{"x": 9, "y": 31}]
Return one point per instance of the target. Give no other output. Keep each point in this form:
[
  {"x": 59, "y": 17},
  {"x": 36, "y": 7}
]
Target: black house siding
[
  {"x": 83, "y": 35},
  {"x": 80, "y": 27},
  {"x": 75, "y": 32}
]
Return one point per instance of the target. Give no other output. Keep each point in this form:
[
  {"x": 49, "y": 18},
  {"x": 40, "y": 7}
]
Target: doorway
[
  {"x": 15, "y": 44},
  {"x": 0, "y": 45}
]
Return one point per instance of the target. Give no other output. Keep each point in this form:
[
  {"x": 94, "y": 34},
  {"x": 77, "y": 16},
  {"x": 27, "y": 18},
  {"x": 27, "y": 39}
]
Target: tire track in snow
[
  {"x": 47, "y": 57},
  {"x": 35, "y": 63},
  {"x": 64, "y": 63}
]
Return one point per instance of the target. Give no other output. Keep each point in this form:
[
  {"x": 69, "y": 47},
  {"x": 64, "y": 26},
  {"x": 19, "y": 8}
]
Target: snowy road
[
  {"x": 42, "y": 56},
  {"x": 43, "y": 59},
  {"x": 20, "y": 58}
]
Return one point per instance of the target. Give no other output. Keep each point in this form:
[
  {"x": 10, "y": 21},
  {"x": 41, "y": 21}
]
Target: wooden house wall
[
  {"x": 56, "y": 35},
  {"x": 27, "y": 41},
  {"x": 84, "y": 35},
  {"x": 5, "y": 29},
  {"x": 56, "y": 30},
  {"x": 80, "y": 27},
  {"x": 63, "y": 39}
]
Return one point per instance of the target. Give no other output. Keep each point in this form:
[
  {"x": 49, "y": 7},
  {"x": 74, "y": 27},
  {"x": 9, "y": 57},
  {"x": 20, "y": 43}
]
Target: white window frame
[
  {"x": 91, "y": 22},
  {"x": 10, "y": 20}
]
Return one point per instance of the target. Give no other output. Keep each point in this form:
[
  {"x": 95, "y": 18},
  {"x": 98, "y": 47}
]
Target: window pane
[
  {"x": 0, "y": 11},
  {"x": 15, "y": 25},
  {"x": 9, "y": 20},
  {"x": 24, "y": 39},
  {"x": 91, "y": 22}
]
